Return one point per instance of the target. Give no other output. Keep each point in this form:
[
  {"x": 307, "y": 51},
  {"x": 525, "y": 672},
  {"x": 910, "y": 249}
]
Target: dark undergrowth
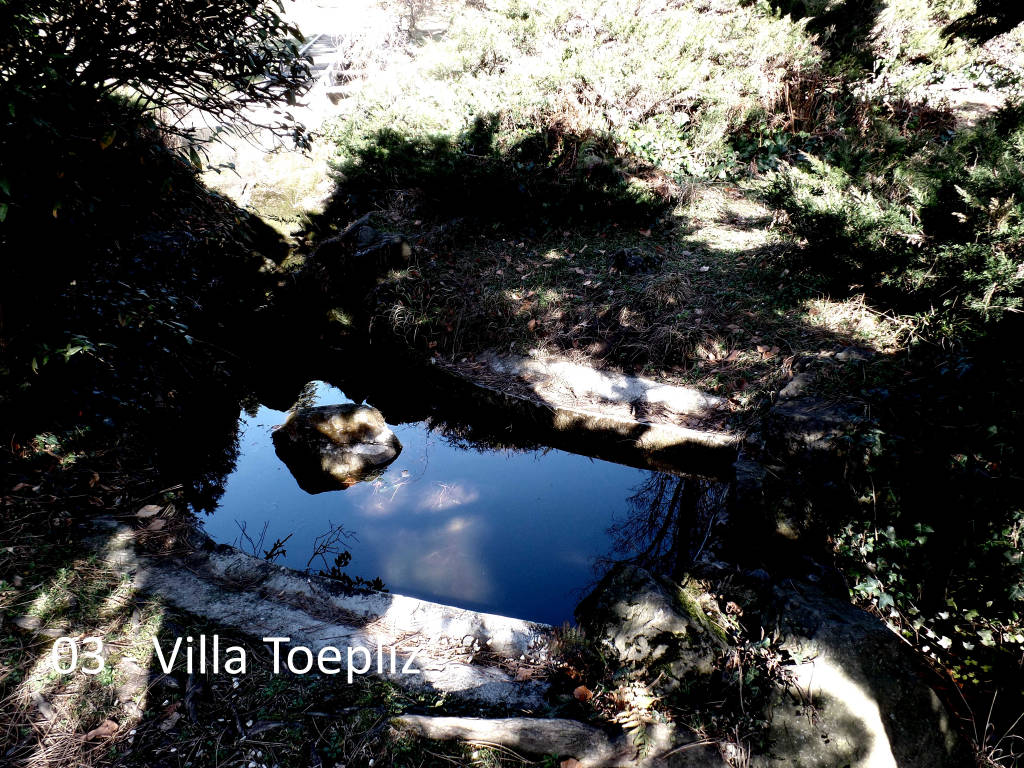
[
  {"x": 545, "y": 179},
  {"x": 129, "y": 291},
  {"x": 135, "y": 302}
]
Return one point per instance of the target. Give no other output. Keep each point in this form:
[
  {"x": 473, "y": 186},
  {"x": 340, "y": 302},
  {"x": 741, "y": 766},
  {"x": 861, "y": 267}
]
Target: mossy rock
[{"x": 651, "y": 626}]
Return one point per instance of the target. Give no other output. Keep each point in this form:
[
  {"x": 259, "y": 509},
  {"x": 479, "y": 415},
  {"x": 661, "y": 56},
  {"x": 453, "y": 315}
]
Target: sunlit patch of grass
[
  {"x": 666, "y": 81},
  {"x": 278, "y": 183},
  {"x": 48, "y": 713},
  {"x": 854, "y": 319}
]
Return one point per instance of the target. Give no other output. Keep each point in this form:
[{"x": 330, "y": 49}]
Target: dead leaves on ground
[
  {"x": 582, "y": 693},
  {"x": 104, "y": 730}
]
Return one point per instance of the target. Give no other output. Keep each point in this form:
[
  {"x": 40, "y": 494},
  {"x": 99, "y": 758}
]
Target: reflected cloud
[
  {"x": 386, "y": 496},
  {"x": 444, "y": 561},
  {"x": 457, "y": 524},
  {"x": 444, "y": 496}
]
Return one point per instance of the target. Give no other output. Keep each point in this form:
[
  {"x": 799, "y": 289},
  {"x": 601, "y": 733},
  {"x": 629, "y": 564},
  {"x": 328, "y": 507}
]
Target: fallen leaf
[
  {"x": 148, "y": 511},
  {"x": 19, "y": 487},
  {"x": 582, "y": 693},
  {"x": 169, "y": 721},
  {"x": 156, "y": 525},
  {"x": 104, "y": 730},
  {"x": 570, "y": 762},
  {"x": 645, "y": 232},
  {"x": 532, "y": 325},
  {"x": 43, "y": 706}
]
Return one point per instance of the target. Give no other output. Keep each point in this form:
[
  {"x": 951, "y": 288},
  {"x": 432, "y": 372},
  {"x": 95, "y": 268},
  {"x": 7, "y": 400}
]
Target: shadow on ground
[{"x": 557, "y": 243}]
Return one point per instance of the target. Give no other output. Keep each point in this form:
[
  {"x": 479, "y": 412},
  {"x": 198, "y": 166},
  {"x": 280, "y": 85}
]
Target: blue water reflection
[{"x": 509, "y": 532}]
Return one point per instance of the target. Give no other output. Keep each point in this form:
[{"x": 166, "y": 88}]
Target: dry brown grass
[{"x": 718, "y": 309}]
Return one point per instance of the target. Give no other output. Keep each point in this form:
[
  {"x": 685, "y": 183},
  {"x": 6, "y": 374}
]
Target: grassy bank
[
  {"x": 644, "y": 185},
  {"x": 727, "y": 204},
  {"x": 132, "y": 713}
]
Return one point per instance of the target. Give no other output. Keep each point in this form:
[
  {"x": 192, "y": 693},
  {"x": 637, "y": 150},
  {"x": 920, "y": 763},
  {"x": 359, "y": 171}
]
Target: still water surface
[{"x": 510, "y": 532}]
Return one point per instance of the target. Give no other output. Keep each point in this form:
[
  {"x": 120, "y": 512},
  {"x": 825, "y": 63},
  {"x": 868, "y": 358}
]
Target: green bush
[
  {"x": 665, "y": 81},
  {"x": 930, "y": 223}
]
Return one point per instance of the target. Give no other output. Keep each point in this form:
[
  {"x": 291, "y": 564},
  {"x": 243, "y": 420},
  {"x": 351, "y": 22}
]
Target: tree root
[{"x": 590, "y": 746}]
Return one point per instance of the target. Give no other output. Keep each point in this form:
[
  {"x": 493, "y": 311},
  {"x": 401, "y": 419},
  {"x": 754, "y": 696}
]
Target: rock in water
[{"x": 332, "y": 447}]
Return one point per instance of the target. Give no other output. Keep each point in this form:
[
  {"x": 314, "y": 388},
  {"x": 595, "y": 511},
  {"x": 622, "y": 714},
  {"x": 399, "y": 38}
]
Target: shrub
[
  {"x": 223, "y": 58},
  {"x": 663, "y": 81},
  {"x": 84, "y": 168},
  {"x": 931, "y": 223}
]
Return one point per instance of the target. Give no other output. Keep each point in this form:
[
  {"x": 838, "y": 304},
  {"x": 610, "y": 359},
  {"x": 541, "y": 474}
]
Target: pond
[{"x": 509, "y": 531}]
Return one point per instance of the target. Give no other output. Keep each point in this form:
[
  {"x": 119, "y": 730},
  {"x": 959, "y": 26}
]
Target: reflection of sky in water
[{"x": 509, "y": 533}]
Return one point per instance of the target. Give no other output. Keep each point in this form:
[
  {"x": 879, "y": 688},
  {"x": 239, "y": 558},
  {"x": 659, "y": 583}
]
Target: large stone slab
[
  {"x": 859, "y": 695},
  {"x": 473, "y": 657},
  {"x": 653, "y": 627},
  {"x": 852, "y": 695}
]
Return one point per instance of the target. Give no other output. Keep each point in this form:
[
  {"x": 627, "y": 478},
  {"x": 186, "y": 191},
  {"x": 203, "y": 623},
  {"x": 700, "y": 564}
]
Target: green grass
[
  {"x": 529, "y": 142},
  {"x": 665, "y": 82}
]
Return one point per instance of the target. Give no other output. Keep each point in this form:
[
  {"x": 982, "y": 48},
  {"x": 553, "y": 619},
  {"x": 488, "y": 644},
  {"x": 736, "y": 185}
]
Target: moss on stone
[{"x": 688, "y": 594}]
